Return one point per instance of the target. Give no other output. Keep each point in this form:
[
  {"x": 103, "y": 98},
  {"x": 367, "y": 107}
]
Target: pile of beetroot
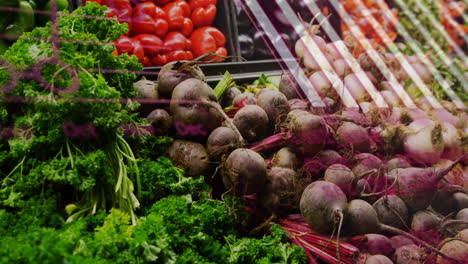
[{"x": 348, "y": 185}]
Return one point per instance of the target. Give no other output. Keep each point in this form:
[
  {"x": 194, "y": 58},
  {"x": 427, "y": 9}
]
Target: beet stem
[
  {"x": 319, "y": 253},
  {"x": 307, "y": 252},
  {"x": 440, "y": 173},
  {"x": 340, "y": 223},
  {"x": 453, "y": 222},
  {"x": 395, "y": 230},
  {"x": 270, "y": 142}
]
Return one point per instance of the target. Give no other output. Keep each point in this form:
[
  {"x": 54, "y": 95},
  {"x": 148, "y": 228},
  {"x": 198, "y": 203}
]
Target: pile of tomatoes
[
  {"x": 161, "y": 31},
  {"x": 453, "y": 21},
  {"x": 360, "y": 13}
]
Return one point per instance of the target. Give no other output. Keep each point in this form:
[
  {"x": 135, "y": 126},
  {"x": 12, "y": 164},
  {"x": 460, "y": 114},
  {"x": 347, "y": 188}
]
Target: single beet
[
  {"x": 280, "y": 193},
  {"x": 373, "y": 244},
  {"x": 190, "y": 157},
  {"x": 173, "y": 73},
  {"x": 417, "y": 186},
  {"x": 148, "y": 91},
  {"x": 425, "y": 220},
  {"x": 378, "y": 259},
  {"x": 399, "y": 241},
  {"x": 248, "y": 97},
  {"x": 275, "y": 105},
  {"x": 160, "y": 120},
  {"x": 354, "y": 137},
  {"x": 222, "y": 141},
  {"x": 342, "y": 176},
  {"x": 322, "y": 204},
  {"x": 309, "y": 133},
  {"x": 244, "y": 171},
  {"x": 423, "y": 141},
  {"x": 392, "y": 211},
  {"x": 397, "y": 162},
  {"x": 285, "y": 158},
  {"x": 252, "y": 122},
  {"x": 193, "y": 103},
  {"x": 456, "y": 248},
  {"x": 287, "y": 87},
  {"x": 229, "y": 96},
  {"x": 460, "y": 223},
  {"x": 365, "y": 162},
  {"x": 408, "y": 254},
  {"x": 463, "y": 235}
]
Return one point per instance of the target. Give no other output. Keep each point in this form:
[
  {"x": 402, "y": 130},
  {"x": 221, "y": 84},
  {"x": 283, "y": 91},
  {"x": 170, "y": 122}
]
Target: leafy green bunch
[
  {"x": 96, "y": 172},
  {"x": 177, "y": 229}
]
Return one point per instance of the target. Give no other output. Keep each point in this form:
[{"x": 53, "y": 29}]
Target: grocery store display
[{"x": 101, "y": 165}]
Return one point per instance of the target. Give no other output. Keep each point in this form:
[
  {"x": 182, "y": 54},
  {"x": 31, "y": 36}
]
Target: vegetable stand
[{"x": 201, "y": 131}]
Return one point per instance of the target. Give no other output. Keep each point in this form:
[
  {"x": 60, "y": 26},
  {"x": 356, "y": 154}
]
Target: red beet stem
[
  {"x": 440, "y": 173},
  {"x": 319, "y": 253},
  {"x": 296, "y": 226},
  {"x": 320, "y": 241},
  {"x": 307, "y": 252},
  {"x": 275, "y": 141}
]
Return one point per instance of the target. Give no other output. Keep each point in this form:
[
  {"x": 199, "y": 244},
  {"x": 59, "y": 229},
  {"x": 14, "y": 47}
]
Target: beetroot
[
  {"x": 408, "y": 254},
  {"x": 252, "y": 122},
  {"x": 221, "y": 141},
  {"x": 354, "y": 137},
  {"x": 160, "y": 120},
  {"x": 191, "y": 157},
  {"x": 340, "y": 175},
  {"x": 463, "y": 235},
  {"x": 147, "y": 92},
  {"x": 399, "y": 241},
  {"x": 244, "y": 171},
  {"x": 365, "y": 162},
  {"x": 453, "y": 145},
  {"x": 373, "y": 244},
  {"x": 317, "y": 165},
  {"x": 460, "y": 222},
  {"x": 322, "y": 204},
  {"x": 285, "y": 158},
  {"x": 309, "y": 133},
  {"x": 457, "y": 176},
  {"x": 360, "y": 218},
  {"x": 425, "y": 220},
  {"x": 455, "y": 248},
  {"x": 287, "y": 87},
  {"x": 397, "y": 162},
  {"x": 423, "y": 142},
  {"x": 392, "y": 211},
  {"x": 417, "y": 186},
  {"x": 280, "y": 193},
  {"x": 201, "y": 111},
  {"x": 229, "y": 96},
  {"x": 447, "y": 201},
  {"x": 173, "y": 73},
  {"x": 249, "y": 98},
  {"x": 378, "y": 259},
  {"x": 275, "y": 105}
]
